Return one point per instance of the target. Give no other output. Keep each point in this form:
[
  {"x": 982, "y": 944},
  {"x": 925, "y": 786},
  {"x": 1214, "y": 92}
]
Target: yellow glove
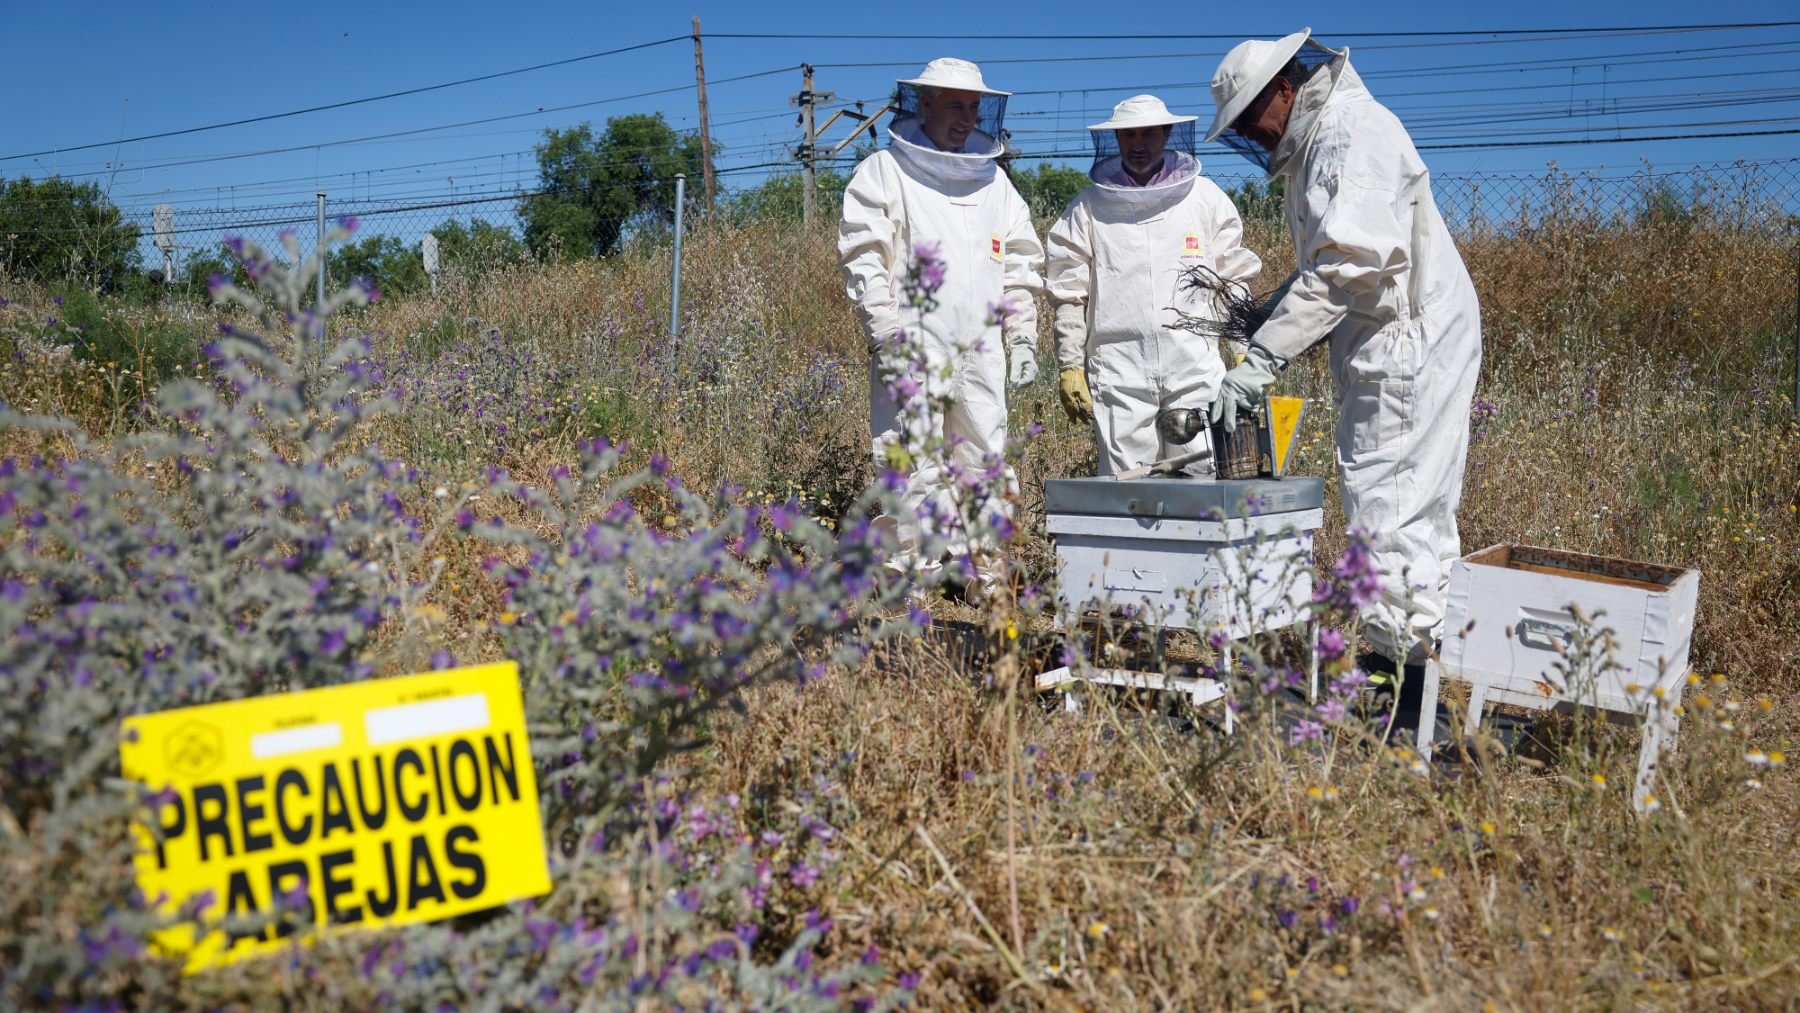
[{"x": 1076, "y": 399}]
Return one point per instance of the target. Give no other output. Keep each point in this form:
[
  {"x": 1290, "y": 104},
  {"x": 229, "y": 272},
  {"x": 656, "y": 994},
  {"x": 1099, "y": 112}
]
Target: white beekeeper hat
[
  {"x": 954, "y": 74},
  {"x": 1243, "y": 74},
  {"x": 1141, "y": 111}
]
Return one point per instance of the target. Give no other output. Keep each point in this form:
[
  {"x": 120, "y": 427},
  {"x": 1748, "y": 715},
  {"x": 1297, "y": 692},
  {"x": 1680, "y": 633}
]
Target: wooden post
[
  {"x": 809, "y": 197},
  {"x": 705, "y": 132}
]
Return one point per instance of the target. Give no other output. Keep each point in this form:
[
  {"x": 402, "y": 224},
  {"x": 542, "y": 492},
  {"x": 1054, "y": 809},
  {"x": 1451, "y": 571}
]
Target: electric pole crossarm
[{"x": 868, "y": 123}]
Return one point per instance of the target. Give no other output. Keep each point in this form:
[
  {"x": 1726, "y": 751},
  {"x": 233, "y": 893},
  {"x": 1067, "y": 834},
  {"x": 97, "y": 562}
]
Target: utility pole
[
  {"x": 705, "y": 133},
  {"x": 805, "y": 154},
  {"x": 808, "y": 151}
]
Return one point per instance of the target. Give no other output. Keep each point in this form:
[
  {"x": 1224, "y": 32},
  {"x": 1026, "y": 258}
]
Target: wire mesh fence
[{"x": 1762, "y": 198}]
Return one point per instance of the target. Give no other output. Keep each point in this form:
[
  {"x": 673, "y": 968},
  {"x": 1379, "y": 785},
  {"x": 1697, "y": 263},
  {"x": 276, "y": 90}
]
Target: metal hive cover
[{"x": 1183, "y": 498}]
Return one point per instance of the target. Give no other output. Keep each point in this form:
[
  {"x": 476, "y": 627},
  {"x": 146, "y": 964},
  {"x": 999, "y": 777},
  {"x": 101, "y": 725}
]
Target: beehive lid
[{"x": 1183, "y": 498}]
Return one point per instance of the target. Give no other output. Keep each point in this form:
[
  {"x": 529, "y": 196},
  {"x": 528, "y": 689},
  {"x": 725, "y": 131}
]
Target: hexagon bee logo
[{"x": 194, "y": 749}]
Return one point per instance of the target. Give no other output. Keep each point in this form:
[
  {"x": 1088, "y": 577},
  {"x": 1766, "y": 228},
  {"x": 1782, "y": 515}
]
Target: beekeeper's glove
[
  {"x": 1024, "y": 365},
  {"x": 1077, "y": 400},
  {"x": 1244, "y": 385}
]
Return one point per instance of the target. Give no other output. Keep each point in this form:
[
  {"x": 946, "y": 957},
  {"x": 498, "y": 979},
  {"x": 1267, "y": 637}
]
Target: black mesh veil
[
  {"x": 1310, "y": 58},
  {"x": 1181, "y": 138},
  {"x": 990, "y": 121}
]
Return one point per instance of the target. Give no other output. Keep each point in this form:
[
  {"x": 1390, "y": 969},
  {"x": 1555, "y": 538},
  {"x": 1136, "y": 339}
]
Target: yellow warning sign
[
  {"x": 372, "y": 804},
  {"x": 1285, "y": 414}
]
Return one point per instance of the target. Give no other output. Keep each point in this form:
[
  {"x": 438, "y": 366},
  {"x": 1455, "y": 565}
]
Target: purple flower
[
  {"x": 1331, "y": 645},
  {"x": 804, "y": 875},
  {"x": 1002, "y": 311},
  {"x": 1349, "y": 905},
  {"x": 541, "y": 931},
  {"x": 1355, "y": 581},
  {"x": 1287, "y": 918},
  {"x": 930, "y": 265},
  {"x": 1305, "y": 731},
  {"x": 909, "y": 982}
]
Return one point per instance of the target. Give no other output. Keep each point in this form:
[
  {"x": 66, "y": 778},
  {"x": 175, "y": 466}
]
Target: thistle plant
[{"x": 255, "y": 539}]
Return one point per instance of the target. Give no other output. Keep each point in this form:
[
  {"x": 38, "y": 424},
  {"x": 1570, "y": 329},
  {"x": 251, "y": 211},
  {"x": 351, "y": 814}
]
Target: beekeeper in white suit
[
  {"x": 1380, "y": 278},
  {"x": 938, "y": 181},
  {"x": 1116, "y": 262}
]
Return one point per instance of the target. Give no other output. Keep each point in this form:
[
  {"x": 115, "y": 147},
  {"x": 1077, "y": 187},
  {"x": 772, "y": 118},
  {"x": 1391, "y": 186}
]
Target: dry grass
[{"x": 1638, "y": 410}]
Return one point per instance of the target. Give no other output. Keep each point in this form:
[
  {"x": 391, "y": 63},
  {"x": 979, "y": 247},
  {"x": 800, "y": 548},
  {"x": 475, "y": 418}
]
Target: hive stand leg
[
  {"x": 1660, "y": 728},
  {"x": 1477, "y": 699},
  {"x": 1428, "y": 708},
  {"x": 1312, "y": 668}
]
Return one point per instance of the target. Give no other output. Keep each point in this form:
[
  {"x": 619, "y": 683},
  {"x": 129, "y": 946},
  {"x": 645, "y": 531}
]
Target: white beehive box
[
  {"x": 1511, "y": 607},
  {"x": 1519, "y": 604},
  {"x": 1192, "y": 554}
]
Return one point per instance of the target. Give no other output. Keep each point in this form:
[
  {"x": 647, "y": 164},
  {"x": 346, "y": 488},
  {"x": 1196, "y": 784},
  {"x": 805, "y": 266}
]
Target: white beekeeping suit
[
  {"x": 1115, "y": 266},
  {"x": 1380, "y": 279},
  {"x": 917, "y": 191}
]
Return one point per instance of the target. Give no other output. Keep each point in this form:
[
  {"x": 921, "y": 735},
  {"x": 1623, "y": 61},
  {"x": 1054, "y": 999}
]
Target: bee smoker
[{"x": 1248, "y": 450}]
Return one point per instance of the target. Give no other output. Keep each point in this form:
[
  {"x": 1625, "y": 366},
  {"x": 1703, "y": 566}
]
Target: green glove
[
  {"x": 1077, "y": 400},
  {"x": 1245, "y": 384}
]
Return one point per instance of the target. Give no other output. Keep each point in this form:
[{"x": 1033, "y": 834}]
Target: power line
[
  {"x": 1552, "y": 63},
  {"x": 1216, "y": 53},
  {"x": 352, "y": 102},
  {"x": 1478, "y": 145},
  {"x": 426, "y": 130},
  {"x": 1603, "y": 140},
  {"x": 1435, "y": 92},
  {"x": 1460, "y": 33}
]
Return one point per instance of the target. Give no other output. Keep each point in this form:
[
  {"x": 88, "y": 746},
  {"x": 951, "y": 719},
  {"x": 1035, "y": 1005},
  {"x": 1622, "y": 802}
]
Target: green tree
[
  {"x": 59, "y": 231},
  {"x": 1049, "y": 189},
  {"x": 782, "y": 197},
  {"x": 193, "y": 279},
  {"x": 478, "y": 246},
  {"x": 391, "y": 264},
  {"x": 597, "y": 187},
  {"x": 1260, "y": 202}
]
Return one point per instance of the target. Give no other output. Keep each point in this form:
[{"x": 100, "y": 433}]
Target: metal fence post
[
  {"x": 675, "y": 279},
  {"x": 319, "y": 306}
]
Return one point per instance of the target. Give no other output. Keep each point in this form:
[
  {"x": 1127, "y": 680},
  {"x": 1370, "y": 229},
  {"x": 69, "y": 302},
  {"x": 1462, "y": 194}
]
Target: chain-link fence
[{"x": 1762, "y": 198}]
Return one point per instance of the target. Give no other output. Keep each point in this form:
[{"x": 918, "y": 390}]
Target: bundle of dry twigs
[{"x": 1238, "y": 312}]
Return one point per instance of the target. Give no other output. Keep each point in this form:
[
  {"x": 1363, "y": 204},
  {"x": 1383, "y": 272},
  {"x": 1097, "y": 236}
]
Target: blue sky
[{"x": 79, "y": 73}]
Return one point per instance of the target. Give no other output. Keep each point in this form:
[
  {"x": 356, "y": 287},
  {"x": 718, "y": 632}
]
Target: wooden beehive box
[{"x": 1519, "y": 605}]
